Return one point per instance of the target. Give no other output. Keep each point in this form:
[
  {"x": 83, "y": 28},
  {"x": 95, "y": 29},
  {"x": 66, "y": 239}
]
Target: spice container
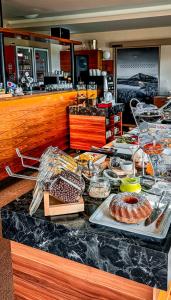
[{"x": 99, "y": 187}]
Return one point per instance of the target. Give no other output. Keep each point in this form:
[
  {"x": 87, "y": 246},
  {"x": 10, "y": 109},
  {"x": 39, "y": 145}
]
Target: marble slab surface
[{"x": 74, "y": 237}]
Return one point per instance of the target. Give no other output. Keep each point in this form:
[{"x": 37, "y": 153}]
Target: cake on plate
[{"x": 130, "y": 208}]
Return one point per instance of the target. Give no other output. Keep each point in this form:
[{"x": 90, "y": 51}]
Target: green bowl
[{"x": 131, "y": 185}]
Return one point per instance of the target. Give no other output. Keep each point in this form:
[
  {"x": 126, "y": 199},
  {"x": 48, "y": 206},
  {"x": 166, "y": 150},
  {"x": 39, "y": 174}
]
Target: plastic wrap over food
[{"x": 54, "y": 160}]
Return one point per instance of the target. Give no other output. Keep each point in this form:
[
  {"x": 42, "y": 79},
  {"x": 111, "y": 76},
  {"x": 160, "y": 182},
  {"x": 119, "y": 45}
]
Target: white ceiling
[
  {"x": 87, "y": 16},
  {"x": 19, "y": 8},
  {"x": 119, "y": 25}
]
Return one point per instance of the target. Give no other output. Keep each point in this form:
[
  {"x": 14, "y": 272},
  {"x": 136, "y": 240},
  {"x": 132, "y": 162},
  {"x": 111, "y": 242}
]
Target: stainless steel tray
[{"x": 102, "y": 217}]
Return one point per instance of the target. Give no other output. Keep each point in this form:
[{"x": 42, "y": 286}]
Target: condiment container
[
  {"x": 130, "y": 184},
  {"x": 112, "y": 177},
  {"x": 99, "y": 187},
  {"x": 126, "y": 165},
  {"x": 66, "y": 187}
]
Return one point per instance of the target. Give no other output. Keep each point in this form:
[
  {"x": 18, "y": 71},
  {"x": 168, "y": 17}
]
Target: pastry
[{"x": 130, "y": 208}]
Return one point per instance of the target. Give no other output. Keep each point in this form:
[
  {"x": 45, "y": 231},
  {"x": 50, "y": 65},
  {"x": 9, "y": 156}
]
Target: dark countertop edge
[
  {"x": 107, "y": 235},
  {"x": 34, "y": 95}
]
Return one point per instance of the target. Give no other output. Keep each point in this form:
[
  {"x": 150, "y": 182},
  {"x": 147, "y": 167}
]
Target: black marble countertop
[
  {"x": 138, "y": 258},
  {"x": 96, "y": 111}
]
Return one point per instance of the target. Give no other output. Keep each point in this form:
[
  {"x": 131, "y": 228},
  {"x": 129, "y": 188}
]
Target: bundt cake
[{"x": 130, "y": 208}]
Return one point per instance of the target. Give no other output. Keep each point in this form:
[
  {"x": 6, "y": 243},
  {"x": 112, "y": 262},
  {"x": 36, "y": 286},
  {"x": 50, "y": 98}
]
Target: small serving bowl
[
  {"x": 126, "y": 165},
  {"x": 112, "y": 177}
]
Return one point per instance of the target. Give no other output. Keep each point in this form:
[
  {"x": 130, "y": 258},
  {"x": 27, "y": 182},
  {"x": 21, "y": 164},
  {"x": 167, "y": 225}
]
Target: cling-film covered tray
[{"x": 102, "y": 217}]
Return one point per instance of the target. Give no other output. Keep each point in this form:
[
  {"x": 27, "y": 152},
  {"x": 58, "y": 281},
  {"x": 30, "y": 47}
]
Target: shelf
[
  {"x": 109, "y": 126},
  {"x": 25, "y": 35}
]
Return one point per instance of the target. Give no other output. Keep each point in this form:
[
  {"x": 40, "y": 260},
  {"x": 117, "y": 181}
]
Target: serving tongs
[
  {"x": 156, "y": 211},
  {"x": 158, "y": 214}
]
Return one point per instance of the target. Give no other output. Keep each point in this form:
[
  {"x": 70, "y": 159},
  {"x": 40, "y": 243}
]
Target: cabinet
[
  {"x": 24, "y": 61},
  {"x": 10, "y": 63},
  {"x": 159, "y": 101},
  {"x": 41, "y": 63},
  {"x": 94, "y": 59},
  {"x": 87, "y": 131},
  {"x": 108, "y": 66}
]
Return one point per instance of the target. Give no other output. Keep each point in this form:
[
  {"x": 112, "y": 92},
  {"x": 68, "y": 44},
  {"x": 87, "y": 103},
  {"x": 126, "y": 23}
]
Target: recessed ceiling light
[{"x": 32, "y": 16}]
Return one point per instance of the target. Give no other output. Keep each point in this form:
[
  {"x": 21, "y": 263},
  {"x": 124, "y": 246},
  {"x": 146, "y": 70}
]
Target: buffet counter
[
  {"x": 45, "y": 242},
  {"x": 144, "y": 260}
]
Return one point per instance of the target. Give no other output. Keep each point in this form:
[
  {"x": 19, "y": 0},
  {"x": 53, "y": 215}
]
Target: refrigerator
[
  {"x": 41, "y": 64},
  {"x": 24, "y": 59},
  {"x": 32, "y": 60}
]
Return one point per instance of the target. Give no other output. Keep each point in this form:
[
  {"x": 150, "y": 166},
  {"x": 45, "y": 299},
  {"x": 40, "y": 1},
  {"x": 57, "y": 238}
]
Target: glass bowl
[
  {"x": 99, "y": 187},
  {"x": 112, "y": 177}
]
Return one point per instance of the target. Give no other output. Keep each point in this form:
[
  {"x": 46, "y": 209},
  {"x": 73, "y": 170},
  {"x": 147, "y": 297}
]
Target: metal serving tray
[{"x": 102, "y": 217}]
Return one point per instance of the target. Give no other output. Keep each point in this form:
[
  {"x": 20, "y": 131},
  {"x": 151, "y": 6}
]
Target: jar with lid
[
  {"x": 81, "y": 92},
  {"x": 91, "y": 90},
  {"x": 99, "y": 187}
]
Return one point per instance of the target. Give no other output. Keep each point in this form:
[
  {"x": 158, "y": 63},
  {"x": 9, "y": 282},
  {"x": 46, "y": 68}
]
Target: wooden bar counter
[{"x": 32, "y": 123}]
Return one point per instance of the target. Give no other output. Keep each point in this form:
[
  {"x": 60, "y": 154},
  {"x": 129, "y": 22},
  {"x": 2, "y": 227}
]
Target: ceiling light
[
  {"x": 19, "y": 54},
  {"x": 32, "y": 16}
]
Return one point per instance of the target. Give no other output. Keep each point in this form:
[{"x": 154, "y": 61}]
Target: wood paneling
[
  {"x": 32, "y": 123},
  {"x": 6, "y": 276},
  {"x": 94, "y": 59},
  {"x": 10, "y": 63},
  {"x": 159, "y": 101},
  {"x": 65, "y": 61},
  {"x": 87, "y": 131},
  {"x": 108, "y": 65},
  {"x": 42, "y": 276}
]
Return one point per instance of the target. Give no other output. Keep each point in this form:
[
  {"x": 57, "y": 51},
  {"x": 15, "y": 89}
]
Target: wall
[
  {"x": 165, "y": 69},
  {"x": 55, "y": 57},
  {"x": 105, "y": 39},
  {"x": 26, "y": 43}
]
